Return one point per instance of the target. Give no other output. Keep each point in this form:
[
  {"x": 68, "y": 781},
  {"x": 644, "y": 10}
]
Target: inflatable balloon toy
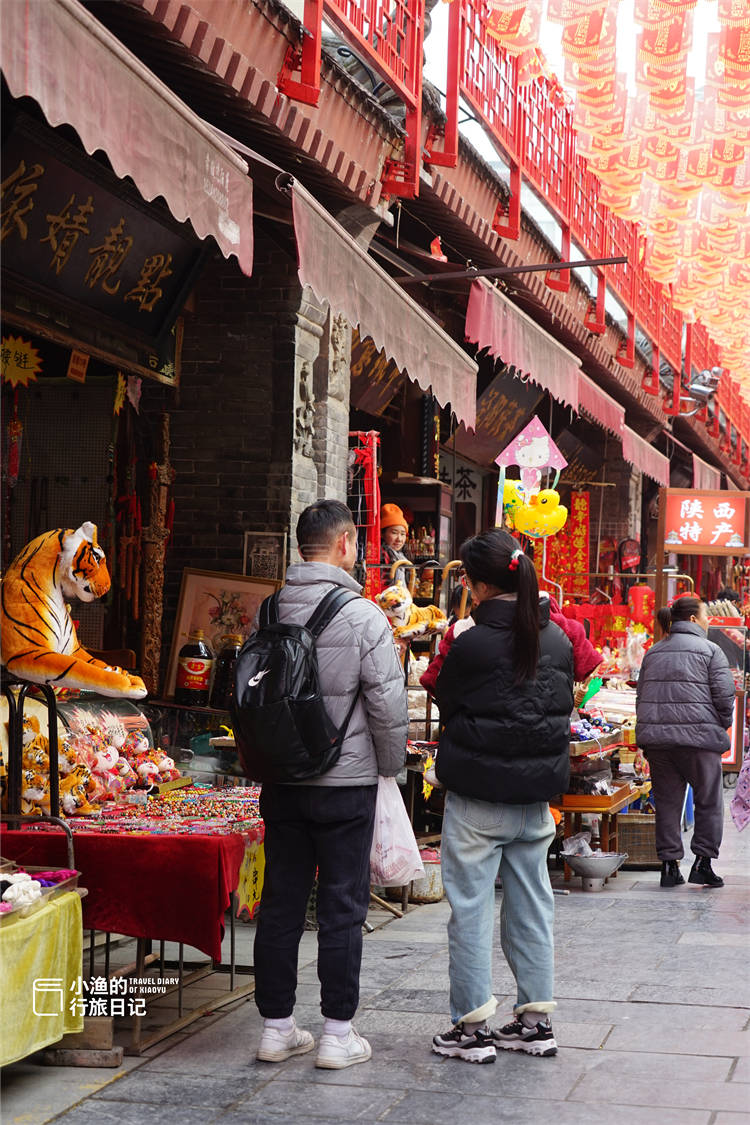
[{"x": 521, "y": 505}]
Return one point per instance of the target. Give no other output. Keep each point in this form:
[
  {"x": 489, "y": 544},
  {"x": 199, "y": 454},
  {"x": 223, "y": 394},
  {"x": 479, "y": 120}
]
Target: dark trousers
[
  {"x": 307, "y": 827},
  {"x": 671, "y": 771}
]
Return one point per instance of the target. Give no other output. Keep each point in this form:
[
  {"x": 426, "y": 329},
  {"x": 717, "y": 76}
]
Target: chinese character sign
[{"x": 705, "y": 522}]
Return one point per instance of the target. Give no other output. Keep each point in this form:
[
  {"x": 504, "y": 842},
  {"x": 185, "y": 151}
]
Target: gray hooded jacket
[
  {"x": 685, "y": 696},
  {"x": 356, "y": 651}
]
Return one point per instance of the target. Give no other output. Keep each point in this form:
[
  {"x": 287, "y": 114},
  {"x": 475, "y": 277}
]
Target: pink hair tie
[{"x": 515, "y": 558}]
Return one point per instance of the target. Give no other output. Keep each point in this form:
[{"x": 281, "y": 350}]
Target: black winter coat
[
  {"x": 685, "y": 695},
  {"x": 505, "y": 742}
]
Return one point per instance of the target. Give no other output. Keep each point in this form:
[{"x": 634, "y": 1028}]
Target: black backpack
[{"x": 281, "y": 726}]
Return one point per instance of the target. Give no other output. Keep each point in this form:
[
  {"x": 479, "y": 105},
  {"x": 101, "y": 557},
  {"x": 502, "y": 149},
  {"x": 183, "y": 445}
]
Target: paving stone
[
  {"x": 689, "y": 1042},
  {"x": 420, "y": 1109},
  {"x": 650, "y": 1092},
  {"x": 298, "y": 1102},
  {"x": 155, "y": 1086},
  {"x": 741, "y": 1071},
  {"x": 731, "y": 1119},
  {"x": 97, "y": 1112}
]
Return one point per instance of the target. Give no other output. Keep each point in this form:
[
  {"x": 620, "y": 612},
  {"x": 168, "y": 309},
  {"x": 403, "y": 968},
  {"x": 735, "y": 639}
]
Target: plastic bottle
[
  {"x": 194, "y": 666},
  {"x": 221, "y": 692}
]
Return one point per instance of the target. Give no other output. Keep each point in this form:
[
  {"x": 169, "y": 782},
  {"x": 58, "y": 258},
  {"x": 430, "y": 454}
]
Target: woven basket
[{"x": 636, "y": 835}]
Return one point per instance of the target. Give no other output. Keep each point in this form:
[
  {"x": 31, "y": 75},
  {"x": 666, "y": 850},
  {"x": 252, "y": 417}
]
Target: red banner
[{"x": 568, "y": 551}]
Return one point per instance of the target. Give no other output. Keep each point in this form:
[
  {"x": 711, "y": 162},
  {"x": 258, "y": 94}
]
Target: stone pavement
[{"x": 653, "y": 1026}]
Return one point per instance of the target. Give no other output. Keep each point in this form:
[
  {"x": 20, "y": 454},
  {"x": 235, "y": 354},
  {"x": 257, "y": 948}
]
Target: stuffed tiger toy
[
  {"x": 408, "y": 620},
  {"x": 37, "y": 636}
]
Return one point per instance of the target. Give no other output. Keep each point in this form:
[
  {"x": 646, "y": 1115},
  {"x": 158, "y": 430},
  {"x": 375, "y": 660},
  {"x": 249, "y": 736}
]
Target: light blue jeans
[{"x": 477, "y": 838}]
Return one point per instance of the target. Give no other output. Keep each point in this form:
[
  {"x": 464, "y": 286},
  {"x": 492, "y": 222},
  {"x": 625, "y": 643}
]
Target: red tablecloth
[{"x": 174, "y": 888}]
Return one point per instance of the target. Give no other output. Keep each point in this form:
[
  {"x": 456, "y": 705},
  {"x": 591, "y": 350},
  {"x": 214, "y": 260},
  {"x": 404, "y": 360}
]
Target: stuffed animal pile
[{"x": 97, "y": 761}]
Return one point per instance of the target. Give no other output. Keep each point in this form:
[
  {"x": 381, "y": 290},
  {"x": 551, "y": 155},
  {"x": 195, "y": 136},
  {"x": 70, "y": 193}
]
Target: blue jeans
[{"x": 477, "y": 838}]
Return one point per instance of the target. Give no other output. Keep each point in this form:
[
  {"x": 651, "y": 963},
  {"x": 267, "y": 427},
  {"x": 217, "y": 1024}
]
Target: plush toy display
[
  {"x": 408, "y": 620},
  {"x": 37, "y": 635}
]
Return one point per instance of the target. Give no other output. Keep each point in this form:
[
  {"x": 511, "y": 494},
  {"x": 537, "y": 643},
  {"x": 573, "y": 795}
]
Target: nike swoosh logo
[{"x": 255, "y": 680}]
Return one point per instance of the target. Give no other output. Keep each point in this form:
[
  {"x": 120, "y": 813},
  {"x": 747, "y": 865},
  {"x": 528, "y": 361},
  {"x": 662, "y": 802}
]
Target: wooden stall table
[
  {"x": 165, "y": 887},
  {"x": 574, "y": 805}
]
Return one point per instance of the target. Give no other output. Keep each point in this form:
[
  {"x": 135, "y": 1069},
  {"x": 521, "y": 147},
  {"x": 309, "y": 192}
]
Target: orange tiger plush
[
  {"x": 37, "y": 636},
  {"x": 408, "y": 620}
]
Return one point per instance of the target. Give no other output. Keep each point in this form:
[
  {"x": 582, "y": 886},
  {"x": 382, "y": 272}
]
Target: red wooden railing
[{"x": 533, "y": 127}]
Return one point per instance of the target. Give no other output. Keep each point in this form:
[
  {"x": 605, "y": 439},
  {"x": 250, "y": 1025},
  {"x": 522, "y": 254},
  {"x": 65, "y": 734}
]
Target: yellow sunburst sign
[{"x": 20, "y": 362}]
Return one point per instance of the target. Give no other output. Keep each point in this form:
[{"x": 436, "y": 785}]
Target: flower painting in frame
[{"x": 219, "y": 604}]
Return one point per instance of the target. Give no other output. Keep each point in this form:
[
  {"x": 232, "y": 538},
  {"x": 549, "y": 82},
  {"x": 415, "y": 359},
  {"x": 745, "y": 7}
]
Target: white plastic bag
[{"x": 394, "y": 857}]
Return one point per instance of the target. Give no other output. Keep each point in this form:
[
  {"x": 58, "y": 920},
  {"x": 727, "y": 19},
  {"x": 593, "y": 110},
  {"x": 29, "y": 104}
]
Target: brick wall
[{"x": 253, "y": 349}]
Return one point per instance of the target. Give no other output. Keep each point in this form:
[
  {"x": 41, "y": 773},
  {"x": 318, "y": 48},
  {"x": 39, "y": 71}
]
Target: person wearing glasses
[{"x": 505, "y": 693}]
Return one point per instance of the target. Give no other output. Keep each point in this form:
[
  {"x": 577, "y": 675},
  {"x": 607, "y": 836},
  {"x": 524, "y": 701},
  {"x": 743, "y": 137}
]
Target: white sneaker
[
  {"x": 335, "y": 1052},
  {"x": 275, "y": 1045}
]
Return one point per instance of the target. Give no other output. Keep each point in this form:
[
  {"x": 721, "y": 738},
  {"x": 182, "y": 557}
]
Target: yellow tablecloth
[{"x": 40, "y": 968}]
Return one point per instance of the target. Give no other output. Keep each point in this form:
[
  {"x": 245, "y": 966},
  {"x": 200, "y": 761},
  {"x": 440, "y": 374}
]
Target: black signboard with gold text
[{"x": 65, "y": 232}]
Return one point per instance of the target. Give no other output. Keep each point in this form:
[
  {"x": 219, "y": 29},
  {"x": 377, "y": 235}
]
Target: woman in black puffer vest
[
  {"x": 685, "y": 702},
  {"x": 505, "y": 694}
]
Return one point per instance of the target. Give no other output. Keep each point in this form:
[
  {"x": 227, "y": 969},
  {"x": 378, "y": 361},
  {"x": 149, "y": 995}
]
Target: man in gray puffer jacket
[
  {"x": 685, "y": 703},
  {"x": 327, "y": 823}
]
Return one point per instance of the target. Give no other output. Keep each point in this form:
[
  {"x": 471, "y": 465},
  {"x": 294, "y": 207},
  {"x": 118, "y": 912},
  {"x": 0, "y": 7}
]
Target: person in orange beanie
[{"x": 393, "y": 532}]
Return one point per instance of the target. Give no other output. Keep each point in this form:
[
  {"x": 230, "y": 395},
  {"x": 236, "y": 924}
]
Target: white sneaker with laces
[
  {"x": 276, "y": 1045},
  {"x": 335, "y": 1052}
]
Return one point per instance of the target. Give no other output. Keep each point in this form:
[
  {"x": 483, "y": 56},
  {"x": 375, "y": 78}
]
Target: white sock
[
  {"x": 337, "y": 1027},
  {"x": 531, "y": 1018},
  {"x": 286, "y": 1025}
]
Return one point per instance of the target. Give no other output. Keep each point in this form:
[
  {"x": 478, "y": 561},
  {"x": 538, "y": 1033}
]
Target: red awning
[
  {"x": 643, "y": 456},
  {"x": 600, "y": 406},
  {"x": 494, "y": 322},
  {"x": 80, "y": 74},
  {"x": 340, "y": 272},
  {"x": 705, "y": 477}
]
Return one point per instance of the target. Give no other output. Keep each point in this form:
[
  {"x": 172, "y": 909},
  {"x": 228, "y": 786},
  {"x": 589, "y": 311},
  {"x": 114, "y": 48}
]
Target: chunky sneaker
[
  {"x": 670, "y": 873},
  {"x": 476, "y": 1047},
  {"x": 703, "y": 873},
  {"x": 276, "y": 1045},
  {"x": 537, "y": 1040},
  {"x": 336, "y": 1051}
]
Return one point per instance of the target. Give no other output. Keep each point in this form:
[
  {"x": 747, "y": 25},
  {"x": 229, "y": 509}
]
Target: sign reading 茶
[{"x": 705, "y": 523}]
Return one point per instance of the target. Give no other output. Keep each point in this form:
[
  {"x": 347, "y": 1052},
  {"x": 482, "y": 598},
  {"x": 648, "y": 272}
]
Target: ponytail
[
  {"x": 664, "y": 617},
  {"x": 494, "y": 557},
  {"x": 527, "y": 622}
]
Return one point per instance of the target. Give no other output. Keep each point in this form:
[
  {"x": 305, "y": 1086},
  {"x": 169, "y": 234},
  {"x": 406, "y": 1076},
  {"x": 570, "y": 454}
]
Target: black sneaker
[
  {"x": 537, "y": 1040},
  {"x": 459, "y": 1044},
  {"x": 703, "y": 873}
]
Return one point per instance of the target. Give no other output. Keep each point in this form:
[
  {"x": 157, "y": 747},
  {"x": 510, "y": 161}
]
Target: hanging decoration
[
  {"x": 120, "y": 390},
  {"x": 523, "y": 505}
]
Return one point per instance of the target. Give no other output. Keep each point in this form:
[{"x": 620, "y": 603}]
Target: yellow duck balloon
[
  {"x": 543, "y": 515},
  {"x": 512, "y": 501}
]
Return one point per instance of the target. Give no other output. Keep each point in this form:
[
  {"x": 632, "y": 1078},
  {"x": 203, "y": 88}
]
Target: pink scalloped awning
[
  {"x": 704, "y": 475},
  {"x": 600, "y": 406},
  {"x": 340, "y": 272},
  {"x": 643, "y": 456},
  {"x": 81, "y": 75},
  {"x": 494, "y": 322}
]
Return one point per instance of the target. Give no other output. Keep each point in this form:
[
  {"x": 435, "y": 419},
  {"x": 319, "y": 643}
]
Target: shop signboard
[
  {"x": 705, "y": 523},
  {"x": 503, "y": 409},
  {"x": 66, "y": 230}
]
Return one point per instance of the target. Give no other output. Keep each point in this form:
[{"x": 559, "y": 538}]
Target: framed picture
[
  {"x": 218, "y": 604},
  {"x": 265, "y": 555}
]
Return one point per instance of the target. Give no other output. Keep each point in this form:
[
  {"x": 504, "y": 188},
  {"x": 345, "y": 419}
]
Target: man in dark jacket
[
  {"x": 684, "y": 706},
  {"x": 328, "y": 823}
]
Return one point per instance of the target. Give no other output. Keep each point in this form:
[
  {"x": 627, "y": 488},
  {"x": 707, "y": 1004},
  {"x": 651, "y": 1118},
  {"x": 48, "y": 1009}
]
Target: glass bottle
[
  {"x": 194, "y": 666},
  {"x": 221, "y": 692}
]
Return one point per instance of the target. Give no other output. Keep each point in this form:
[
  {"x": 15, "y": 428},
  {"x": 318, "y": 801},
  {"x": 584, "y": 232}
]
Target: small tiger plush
[
  {"x": 408, "y": 620},
  {"x": 37, "y": 635}
]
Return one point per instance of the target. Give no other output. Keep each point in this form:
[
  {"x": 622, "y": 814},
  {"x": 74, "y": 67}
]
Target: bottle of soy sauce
[
  {"x": 194, "y": 666},
  {"x": 221, "y": 692}
]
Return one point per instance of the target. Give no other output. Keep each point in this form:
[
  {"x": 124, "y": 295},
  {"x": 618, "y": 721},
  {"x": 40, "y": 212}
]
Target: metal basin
[{"x": 594, "y": 869}]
